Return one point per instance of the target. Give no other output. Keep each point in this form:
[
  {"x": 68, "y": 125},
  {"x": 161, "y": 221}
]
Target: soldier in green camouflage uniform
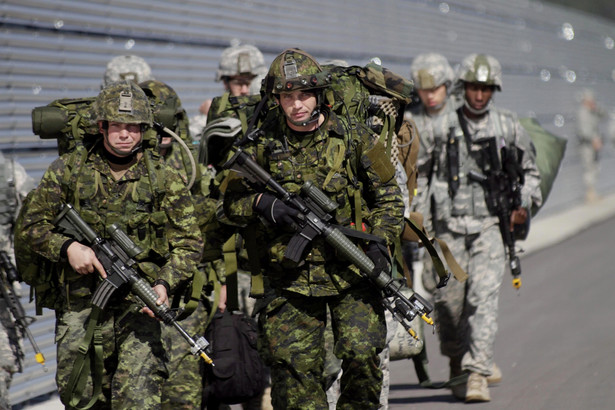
[
  {"x": 183, "y": 388},
  {"x": 466, "y": 312},
  {"x": 119, "y": 180},
  {"x": 305, "y": 141}
]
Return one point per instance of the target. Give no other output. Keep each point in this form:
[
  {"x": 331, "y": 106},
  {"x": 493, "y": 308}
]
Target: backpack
[
  {"x": 550, "y": 150},
  {"x": 239, "y": 373},
  {"x": 71, "y": 121}
]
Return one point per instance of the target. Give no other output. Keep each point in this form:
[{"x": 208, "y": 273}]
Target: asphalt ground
[{"x": 555, "y": 342}]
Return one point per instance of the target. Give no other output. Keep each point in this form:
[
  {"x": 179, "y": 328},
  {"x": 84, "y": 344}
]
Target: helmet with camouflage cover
[
  {"x": 243, "y": 59},
  {"x": 166, "y": 105},
  {"x": 294, "y": 69},
  {"x": 127, "y": 67},
  {"x": 123, "y": 102},
  {"x": 481, "y": 69},
  {"x": 431, "y": 70}
]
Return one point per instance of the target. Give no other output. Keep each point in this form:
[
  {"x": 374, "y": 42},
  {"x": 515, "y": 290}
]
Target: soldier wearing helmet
[
  {"x": 460, "y": 204},
  {"x": 114, "y": 181},
  {"x": 301, "y": 140},
  {"x": 127, "y": 67},
  {"x": 241, "y": 69}
]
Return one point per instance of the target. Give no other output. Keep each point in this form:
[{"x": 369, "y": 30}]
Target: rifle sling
[{"x": 81, "y": 367}]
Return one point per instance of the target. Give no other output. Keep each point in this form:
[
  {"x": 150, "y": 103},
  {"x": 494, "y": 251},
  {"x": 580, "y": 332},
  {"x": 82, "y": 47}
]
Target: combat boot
[
  {"x": 458, "y": 389},
  {"x": 477, "y": 389},
  {"x": 496, "y": 375}
]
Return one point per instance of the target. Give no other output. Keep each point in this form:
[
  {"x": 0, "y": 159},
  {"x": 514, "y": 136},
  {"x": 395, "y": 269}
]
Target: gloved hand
[
  {"x": 379, "y": 254},
  {"x": 275, "y": 211}
]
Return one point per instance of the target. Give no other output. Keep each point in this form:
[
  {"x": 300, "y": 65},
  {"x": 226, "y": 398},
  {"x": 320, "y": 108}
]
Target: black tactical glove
[
  {"x": 275, "y": 211},
  {"x": 379, "y": 254}
]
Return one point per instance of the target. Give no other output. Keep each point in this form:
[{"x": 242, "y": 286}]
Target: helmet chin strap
[
  {"x": 119, "y": 154},
  {"x": 474, "y": 110}
]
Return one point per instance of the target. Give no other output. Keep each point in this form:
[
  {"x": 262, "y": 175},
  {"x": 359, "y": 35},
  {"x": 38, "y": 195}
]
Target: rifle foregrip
[
  {"x": 349, "y": 250},
  {"x": 145, "y": 292}
]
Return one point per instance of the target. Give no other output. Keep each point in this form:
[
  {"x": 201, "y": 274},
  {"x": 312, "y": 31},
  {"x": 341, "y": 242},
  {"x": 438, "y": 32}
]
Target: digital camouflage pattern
[
  {"x": 184, "y": 387},
  {"x": 242, "y": 59},
  {"x": 482, "y": 69},
  {"x": 322, "y": 278},
  {"x": 467, "y": 311},
  {"x": 294, "y": 69},
  {"x": 291, "y": 343},
  {"x": 127, "y": 67},
  {"x": 14, "y": 186},
  {"x": 123, "y": 102},
  {"x": 151, "y": 204},
  {"x": 431, "y": 70},
  {"x": 134, "y": 357}
]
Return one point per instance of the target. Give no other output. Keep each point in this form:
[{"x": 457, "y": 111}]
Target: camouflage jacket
[
  {"x": 149, "y": 202},
  {"x": 341, "y": 165},
  {"x": 467, "y": 211}
]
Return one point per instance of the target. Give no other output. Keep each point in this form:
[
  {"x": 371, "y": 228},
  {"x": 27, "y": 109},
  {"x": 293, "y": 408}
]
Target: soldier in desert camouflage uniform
[
  {"x": 466, "y": 312},
  {"x": 14, "y": 186},
  {"x": 305, "y": 141},
  {"x": 241, "y": 69},
  {"x": 127, "y": 67},
  {"x": 120, "y": 180}
]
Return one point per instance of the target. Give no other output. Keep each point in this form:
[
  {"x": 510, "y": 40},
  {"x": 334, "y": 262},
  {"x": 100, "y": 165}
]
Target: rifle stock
[
  {"x": 315, "y": 220},
  {"x": 117, "y": 256}
]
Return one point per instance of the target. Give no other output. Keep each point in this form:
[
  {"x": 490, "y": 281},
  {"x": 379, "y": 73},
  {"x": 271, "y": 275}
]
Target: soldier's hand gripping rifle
[
  {"x": 314, "y": 218},
  {"x": 503, "y": 180},
  {"x": 12, "y": 301},
  {"x": 117, "y": 257}
]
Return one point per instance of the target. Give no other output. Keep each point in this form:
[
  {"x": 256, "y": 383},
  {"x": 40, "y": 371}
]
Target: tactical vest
[
  {"x": 454, "y": 194},
  {"x": 136, "y": 209},
  {"x": 8, "y": 193}
]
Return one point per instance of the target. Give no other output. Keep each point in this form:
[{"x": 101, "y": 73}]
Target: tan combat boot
[
  {"x": 496, "y": 375},
  {"x": 477, "y": 389}
]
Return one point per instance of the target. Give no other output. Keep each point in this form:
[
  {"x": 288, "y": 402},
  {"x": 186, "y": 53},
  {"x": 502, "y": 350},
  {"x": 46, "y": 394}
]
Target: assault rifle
[
  {"x": 314, "y": 220},
  {"x": 117, "y": 256},
  {"x": 503, "y": 180},
  {"x": 12, "y": 301}
]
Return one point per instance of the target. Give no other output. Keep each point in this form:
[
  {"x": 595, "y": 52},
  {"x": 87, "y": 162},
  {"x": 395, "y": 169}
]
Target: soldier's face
[
  {"x": 432, "y": 98},
  {"x": 298, "y": 106},
  {"x": 239, "y": 85},
  {"x": 120, "y": 139},
  {"x": 478, "y": 95}
]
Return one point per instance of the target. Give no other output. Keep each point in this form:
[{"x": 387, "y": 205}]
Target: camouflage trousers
[
  {"x": 184, "y": 387},
  {"x": 133, "y": 354},
  {"x": 293, "y": 346},
  {"x": 11, "y": 354},
  {"x": 466, "y": 313}
]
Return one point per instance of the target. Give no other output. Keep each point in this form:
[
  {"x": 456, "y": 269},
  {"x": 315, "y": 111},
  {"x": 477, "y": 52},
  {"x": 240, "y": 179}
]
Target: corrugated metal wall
[{"x": 59, "y": 48}]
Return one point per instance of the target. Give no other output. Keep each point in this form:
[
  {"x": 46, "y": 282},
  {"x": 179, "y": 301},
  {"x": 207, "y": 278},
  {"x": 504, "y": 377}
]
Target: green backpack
[
  {"x": 69, "y": 120},
  {"x": 550, "y": 150}
]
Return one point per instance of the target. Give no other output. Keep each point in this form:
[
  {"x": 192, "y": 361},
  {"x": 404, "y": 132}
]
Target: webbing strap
[
  {"x": 415, "y": 232},
  {"x": 198, "y": 281},
  {"x": 230, "y": 264},
  {"x": 81, "y": 367}
]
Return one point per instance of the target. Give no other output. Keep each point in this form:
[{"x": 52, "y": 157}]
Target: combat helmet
[
  {"x": 431, "y": 70},
  {"x": 127, "y": 67},
  {"x": 243, "y": 59},
  {"x": 123, "y": 102},
  {"x": 294, "y": 69},
  {"x": 482, "y": 69}
]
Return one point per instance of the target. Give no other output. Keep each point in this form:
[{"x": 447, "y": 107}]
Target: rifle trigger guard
[{"x": 443, "y": 281}]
